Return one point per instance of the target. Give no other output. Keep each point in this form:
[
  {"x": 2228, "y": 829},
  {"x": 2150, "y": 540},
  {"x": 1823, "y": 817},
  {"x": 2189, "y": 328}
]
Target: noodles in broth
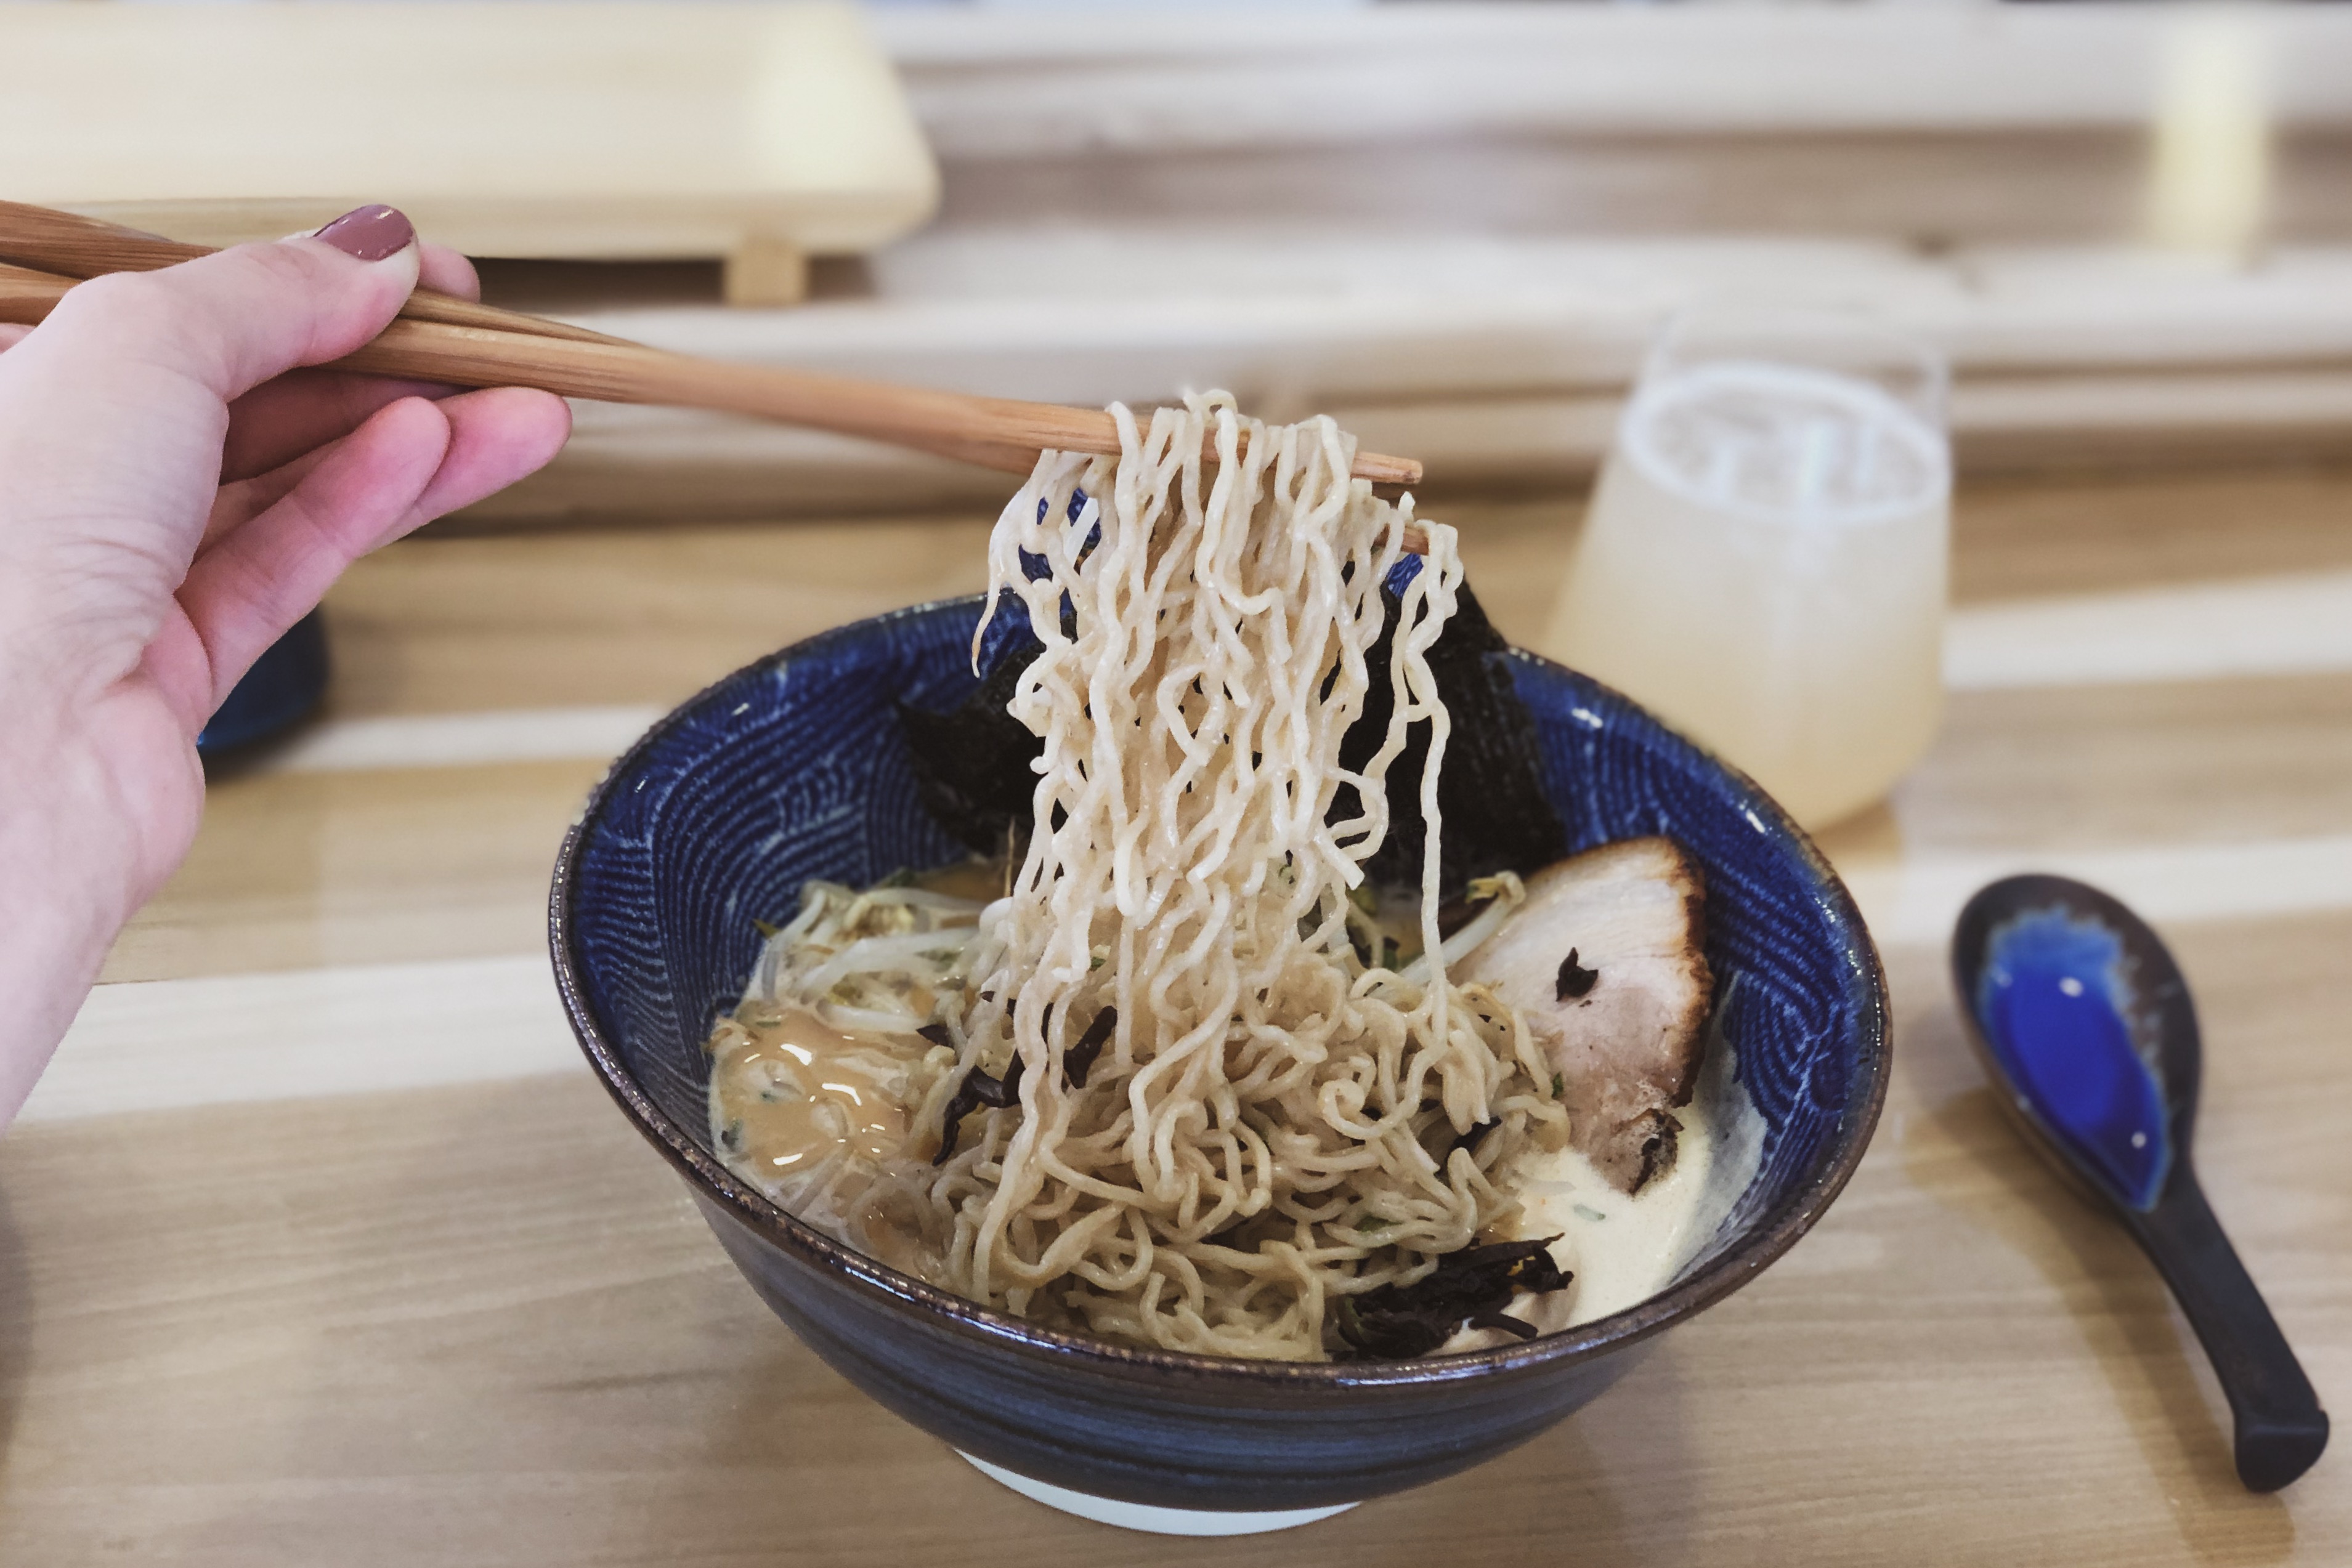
[{"x": 1219, "y": 1113}]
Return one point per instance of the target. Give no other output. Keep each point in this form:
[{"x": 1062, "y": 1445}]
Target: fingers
[
  {"x": 244, "y": 593},
  {"x": 229, "y": 322},
  {"x": 280, "y": 420},
  {"x": 11, "y": 334},
  {"x": 115, "y": 420},
  {"x": 409, "y": 462},
  {"x": 113, "y": 415},
  {"x": 447, "y": 270},
  {"x": 496, "y": 437},
  {"x": 239, "y": 504},
  {"x": 530, "y": 425}
]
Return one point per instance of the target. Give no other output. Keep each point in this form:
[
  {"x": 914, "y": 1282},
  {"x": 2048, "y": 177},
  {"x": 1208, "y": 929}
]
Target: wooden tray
[{"x": 756, "y": 133}]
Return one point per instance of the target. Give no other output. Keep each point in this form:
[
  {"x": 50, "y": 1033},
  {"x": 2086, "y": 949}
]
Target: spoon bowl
[{"x": 2084, "y": 1022}]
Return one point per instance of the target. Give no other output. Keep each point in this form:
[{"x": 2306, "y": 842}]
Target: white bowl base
[{"x": 1147, "y": 1517}]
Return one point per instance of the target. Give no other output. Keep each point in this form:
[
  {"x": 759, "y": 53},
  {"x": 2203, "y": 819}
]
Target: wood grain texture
[
  {"x": 75, "y": 246},
  {"x": 490, "y": 348},
  {"x": 296, "y": 870},
  {"x": 445, "y": 624},
  {"x": 1001, "y": 433},
  {"x": 340, "y": 867},
  {"x": 2020, "y": 537},
  {"x": 479, "y": 1323}
]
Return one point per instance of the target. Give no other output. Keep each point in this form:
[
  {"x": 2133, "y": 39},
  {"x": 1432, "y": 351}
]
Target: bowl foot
[{"x": 1146, "y": 1516}]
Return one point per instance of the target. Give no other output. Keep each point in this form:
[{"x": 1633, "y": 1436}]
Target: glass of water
[{"x": 1764, "y": 561}]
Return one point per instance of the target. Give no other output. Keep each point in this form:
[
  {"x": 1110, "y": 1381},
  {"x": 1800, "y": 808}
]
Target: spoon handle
[{"x": 2280, "y": 1429}]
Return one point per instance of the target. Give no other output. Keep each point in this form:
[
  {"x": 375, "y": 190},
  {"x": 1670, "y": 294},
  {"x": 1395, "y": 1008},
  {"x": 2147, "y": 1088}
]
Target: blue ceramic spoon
[{"x": 2084, "y": 1020}]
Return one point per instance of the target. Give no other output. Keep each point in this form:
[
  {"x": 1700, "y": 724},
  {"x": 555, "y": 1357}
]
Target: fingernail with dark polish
[{"x": 371, "y": 233}]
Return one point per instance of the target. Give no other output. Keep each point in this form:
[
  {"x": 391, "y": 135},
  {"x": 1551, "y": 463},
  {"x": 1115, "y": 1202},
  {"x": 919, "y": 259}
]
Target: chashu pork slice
[{"x": 1604, "y": 962}]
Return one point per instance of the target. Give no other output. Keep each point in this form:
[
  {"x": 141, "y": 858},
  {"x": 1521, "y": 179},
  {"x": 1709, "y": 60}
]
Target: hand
[{"x": 175, "y": 492}]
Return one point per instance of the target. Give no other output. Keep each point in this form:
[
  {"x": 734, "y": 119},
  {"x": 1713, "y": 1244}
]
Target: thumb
[{"x": 238, "y": 318}]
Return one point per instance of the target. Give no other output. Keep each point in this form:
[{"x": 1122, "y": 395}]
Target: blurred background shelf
[
  {"x": 1498, "y": 361},
  {"x": 757, "y": 133},
  {"x": 1455, "y": 226}
]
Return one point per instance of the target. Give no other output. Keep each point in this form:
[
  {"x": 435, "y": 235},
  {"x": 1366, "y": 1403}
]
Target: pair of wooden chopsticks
[{"x": 442, "y": 339}]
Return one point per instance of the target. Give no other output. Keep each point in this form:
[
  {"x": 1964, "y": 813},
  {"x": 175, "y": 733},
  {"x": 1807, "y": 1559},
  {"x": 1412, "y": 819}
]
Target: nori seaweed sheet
[
  {"x": 973, "y": 763},
  {"x": 1490, "y": 788},
  {"x": 972, "y": 769}
]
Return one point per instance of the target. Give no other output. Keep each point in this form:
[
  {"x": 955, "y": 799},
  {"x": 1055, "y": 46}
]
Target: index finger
[{"x": 449, "y": 271}]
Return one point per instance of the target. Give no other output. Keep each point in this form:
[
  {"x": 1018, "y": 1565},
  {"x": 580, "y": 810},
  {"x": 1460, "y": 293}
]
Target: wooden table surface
[{"x": 320, "y": 1245}]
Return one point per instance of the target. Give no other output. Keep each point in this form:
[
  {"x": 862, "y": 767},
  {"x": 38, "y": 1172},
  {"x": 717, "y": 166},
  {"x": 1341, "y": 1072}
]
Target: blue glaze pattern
[
  {"x": 2054, "y": 1007},
  {"x": 795, "y": 767}
]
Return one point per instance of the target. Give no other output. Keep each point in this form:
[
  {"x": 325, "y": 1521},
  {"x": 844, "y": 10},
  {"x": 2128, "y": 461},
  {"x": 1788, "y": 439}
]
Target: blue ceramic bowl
[{"x": 795, "y": 768}]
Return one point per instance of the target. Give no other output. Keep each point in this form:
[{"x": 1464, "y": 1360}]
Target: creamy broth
[
  {"x": 812, "y": 1115},
  {"x": 787, "y": 1092},
  {"x": 1624, "y": 1249}
]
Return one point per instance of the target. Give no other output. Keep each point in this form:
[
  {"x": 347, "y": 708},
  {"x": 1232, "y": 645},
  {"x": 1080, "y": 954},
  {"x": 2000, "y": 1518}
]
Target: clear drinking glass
[{"x": 1764, "y": 561}]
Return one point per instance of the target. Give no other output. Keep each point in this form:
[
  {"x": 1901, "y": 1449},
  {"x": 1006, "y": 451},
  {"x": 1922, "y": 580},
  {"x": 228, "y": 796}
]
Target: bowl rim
[{"x": 1736, "y": 1264}]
